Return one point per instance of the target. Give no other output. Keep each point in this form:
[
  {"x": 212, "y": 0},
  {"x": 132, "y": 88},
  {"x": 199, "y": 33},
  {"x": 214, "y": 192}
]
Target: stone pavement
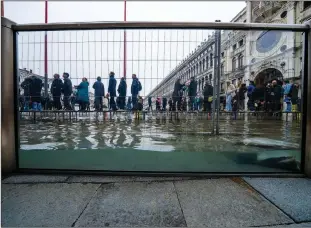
[{"x": 93, "y": 201}]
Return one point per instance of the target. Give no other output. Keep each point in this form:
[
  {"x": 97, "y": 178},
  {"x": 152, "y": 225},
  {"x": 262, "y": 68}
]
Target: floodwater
[{"x": 271, "y": 139}]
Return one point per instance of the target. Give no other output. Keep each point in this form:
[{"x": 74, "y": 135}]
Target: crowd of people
[
  {"x": 270, "y": 97},
  {"x": 64, "y": 97}
]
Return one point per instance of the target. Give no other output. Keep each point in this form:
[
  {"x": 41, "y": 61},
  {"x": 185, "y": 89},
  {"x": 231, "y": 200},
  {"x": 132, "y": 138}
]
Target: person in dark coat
[
  {"x": 99, "y": 88},
  {"x": 122, "y": 93},
  {"x": 276, "y": 96},
  {"x": 250, "y": 90},
  {"x": 56, "y": 91},
  {"x": 26, "y": 87},
  {"x": 164, "y": 103},
  {"x": 135, "y": 88},
  {"x": 241, "y": 97},
  {"x": 112, "y": 91},
  {"x": 35, "y": 93},
  {"x": 170, "y": 104},
  {"x": 192, "y": 92},
  {"x": 149, "y": 103},
  {"x": 294, "y": 97},
  {"x": 83, "y": 94},
  {"x": 67, "y": 91},
  {"x": 177, "y": 95},
  {"x": 207, "y": 101}
]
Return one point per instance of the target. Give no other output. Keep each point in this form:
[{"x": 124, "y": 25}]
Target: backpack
[{"x": 139, "y": 86}]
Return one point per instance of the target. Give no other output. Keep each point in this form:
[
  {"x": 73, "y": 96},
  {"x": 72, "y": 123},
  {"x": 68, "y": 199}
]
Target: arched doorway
[{"x": 269, "y": 75}]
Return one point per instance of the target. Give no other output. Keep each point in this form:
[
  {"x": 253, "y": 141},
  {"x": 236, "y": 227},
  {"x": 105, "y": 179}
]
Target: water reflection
[{"x": 158, "y": 135}]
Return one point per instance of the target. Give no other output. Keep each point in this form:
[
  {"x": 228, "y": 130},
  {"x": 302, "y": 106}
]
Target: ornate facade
[{"x": 247, "y": 55}]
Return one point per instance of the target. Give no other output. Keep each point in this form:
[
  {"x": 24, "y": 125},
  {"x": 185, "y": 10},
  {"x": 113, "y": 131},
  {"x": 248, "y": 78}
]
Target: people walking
[
  {"x": 135, "y": 89},
  {"x": 122, "y": 89},
  {"x": 287, "y": 96},
  {"x": 56, "y": 91},
  {"x": 177, "y": 95},
  {"x": 164, "y": 103},
  {"x": 67, "y": 91},
  {"x": 208, "y": 97},
  {"x": 26, "y": 84},
  {"x": 35, "y": 93},
  {"x": 229, "y": 94},
  {"x": 83, "y": 94},
  {"x": 112, "y": 91},
  {"x": 241, "y": 97},
  {"x": 192, "y": 91},
  {"x": 149, "y": 103},
  {"x": 99, "y": 89}
]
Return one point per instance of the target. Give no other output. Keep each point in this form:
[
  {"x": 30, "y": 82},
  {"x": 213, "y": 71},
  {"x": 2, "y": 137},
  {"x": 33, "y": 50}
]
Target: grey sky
[{"x": 91, "y": 53}]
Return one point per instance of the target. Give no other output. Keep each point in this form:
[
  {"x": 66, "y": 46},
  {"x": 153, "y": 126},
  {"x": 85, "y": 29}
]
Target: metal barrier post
[
  {"x": 9, "y": 132},
  {"x": 214, "y": 83},
  {"x": 217, "y": 73},
  {"x": 306, "y": 104}
]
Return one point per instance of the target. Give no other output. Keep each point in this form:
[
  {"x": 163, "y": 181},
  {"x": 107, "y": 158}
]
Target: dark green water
[{"x": 161, "y": 145}]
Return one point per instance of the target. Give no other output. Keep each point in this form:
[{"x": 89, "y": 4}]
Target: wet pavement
[
  {"x": 109, "y": 201},
  {"x": 269, "y": 144}
]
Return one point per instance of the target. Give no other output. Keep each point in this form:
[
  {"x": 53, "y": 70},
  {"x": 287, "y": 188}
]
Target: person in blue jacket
[
  {"x": 112, "y": 91},
  {"x": 99, "y": 88},
  {"x": 83, "y": 94},
  {"x": 135, "y": 88}
]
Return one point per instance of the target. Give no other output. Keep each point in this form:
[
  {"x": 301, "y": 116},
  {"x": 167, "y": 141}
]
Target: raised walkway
[{"x": 112, "y": 201}]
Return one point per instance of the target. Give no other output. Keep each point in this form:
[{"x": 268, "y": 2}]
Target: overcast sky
[{"x": 150, "y": 54}]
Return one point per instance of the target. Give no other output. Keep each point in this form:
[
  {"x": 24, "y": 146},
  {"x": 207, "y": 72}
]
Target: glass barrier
[{"x": 146, "y": 100}]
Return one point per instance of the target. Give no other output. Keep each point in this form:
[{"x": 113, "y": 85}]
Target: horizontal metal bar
[{"x": 159, "y": 25}]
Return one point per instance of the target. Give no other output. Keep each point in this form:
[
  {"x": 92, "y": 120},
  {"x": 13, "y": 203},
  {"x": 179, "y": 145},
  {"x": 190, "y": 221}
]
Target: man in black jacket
[
  {"x": 26, "y": 87},
  {"x": 241, "y": 97},
  {"x": 35, "y": 93},
  {"x": 207, "y": 101},
  {"x": 67, "y": 91},
  {"x": 122, "y": 93},
  {"x": 192, "y": 92},
  {"x": 112, "y": 91},
  {"x": 177, "y": 95},
  {"x": 56, "y": 91}
]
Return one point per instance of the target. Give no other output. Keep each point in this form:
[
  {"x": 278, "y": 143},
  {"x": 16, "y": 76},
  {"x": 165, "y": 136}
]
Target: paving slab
[
  {"x": 29, "y": 205},
  {"x": 113, "y": 179},
  {"x": 21, "y": 179},
  {"x": 223, "y": 203},
  {"x": 291, "y": 195},
  {"x": 153, "y": 204}
]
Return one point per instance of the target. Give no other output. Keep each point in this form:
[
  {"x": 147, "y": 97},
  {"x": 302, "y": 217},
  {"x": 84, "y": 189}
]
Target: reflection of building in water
[
  {"x": 24, "y": 73},
  {"x": 247, "y": 55}
]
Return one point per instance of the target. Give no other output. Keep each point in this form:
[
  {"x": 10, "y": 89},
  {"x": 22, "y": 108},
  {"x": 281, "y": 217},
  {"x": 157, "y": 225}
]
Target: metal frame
[
  {"x": 306, "y": 119},
  {"x": 159, "y": 25}
]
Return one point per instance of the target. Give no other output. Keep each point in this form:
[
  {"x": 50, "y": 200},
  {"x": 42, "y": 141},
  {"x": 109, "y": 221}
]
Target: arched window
[
  {"x": 207, "y": 62},
  {"x": 197, "y": 69},
  {"x": 199, "y": 84},
  {"x": 210, "y": 78},
  {"x": 240, "y": 61},
  {"x": 200, "y": 67},
  {"x": 222, "y": 69},
  {"x": 233, "y": 64},
  {"x": 203, "y": 64},
  {"x": 211, "y": 59}
]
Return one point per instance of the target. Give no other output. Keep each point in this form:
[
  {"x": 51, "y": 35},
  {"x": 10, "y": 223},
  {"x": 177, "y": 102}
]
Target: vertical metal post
[
  {"x": 218, "y": 61},
  {"x": 9, "y": 91},
  {"x": 124, "y": 44},
  {"x": 2, "y": 8},
  {"x": 46, "y": 52},
  {"x": 306, "y": 105},
  {"x": 214, "y": 82}
]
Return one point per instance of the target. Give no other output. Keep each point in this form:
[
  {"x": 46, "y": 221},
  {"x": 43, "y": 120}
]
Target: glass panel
[{"x": 161, "y": 124}]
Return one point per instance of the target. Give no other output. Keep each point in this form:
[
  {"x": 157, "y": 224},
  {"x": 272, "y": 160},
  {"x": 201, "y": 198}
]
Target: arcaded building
[{"x": 247, "y": 55}]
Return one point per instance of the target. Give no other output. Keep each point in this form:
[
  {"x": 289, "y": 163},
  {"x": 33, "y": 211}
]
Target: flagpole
[
  {"x": 124, "y": 44},
  {"x": 2, "y": 8},
  {"x": 46, "y": 52}
]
